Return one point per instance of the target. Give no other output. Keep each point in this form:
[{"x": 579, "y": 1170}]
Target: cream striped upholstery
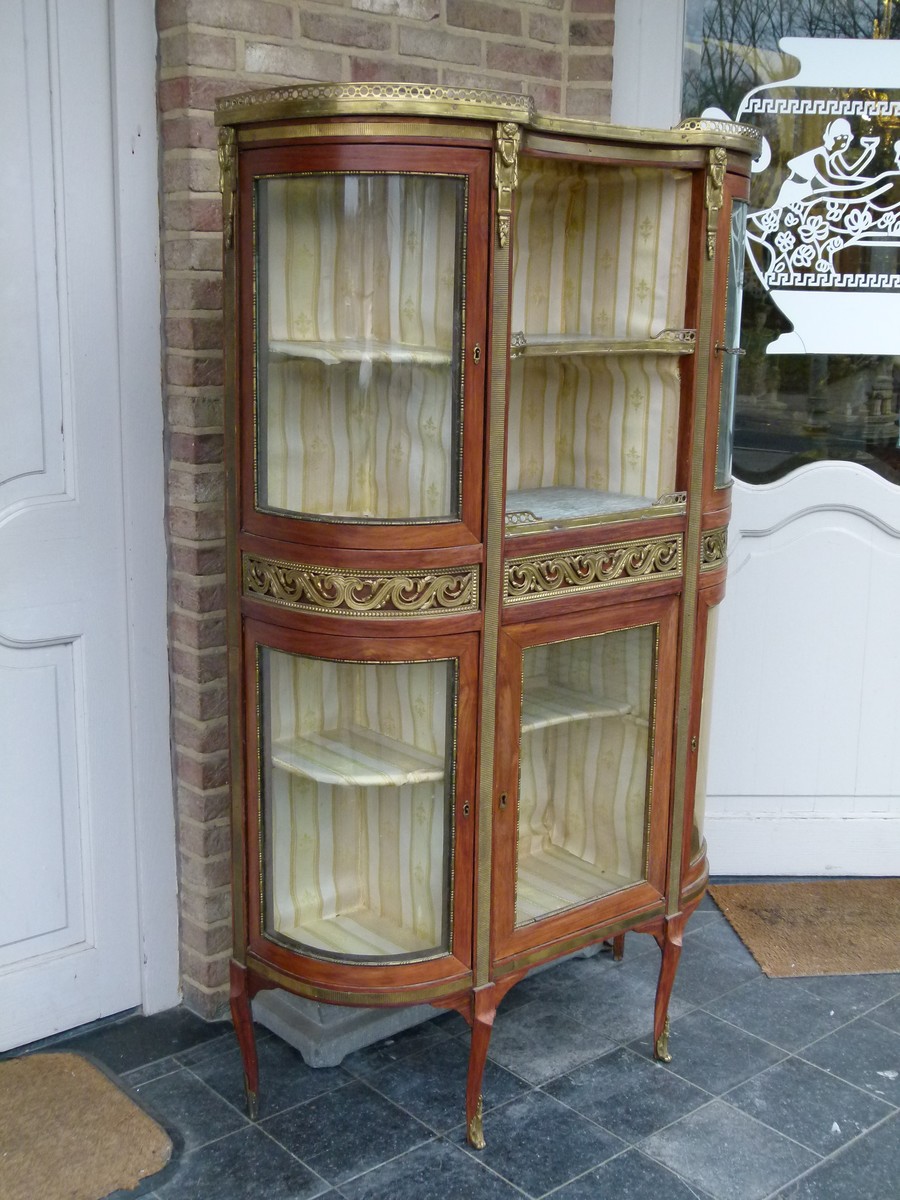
[
  {"x": 602, "y": 252},
  {"x": 360, "y": 274},
  {"x": 357, "y": 804},
  {"x": 583, "y": 782}
]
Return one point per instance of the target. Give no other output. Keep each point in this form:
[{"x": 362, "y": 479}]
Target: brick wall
[{"x": 560, "y": 51}]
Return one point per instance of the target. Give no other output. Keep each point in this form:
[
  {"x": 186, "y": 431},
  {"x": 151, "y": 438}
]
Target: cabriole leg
[
  {"x": 484, "y": 1011},
  {"x": 669, "y": 941},
  {"x": 242, "y": 1016}
]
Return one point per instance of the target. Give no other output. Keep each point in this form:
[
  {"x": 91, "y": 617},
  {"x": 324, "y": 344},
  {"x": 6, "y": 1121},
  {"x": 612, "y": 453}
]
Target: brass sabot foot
[
  {"x": 662, "y": 1045},
  {"x": 476, "y": 1131}
]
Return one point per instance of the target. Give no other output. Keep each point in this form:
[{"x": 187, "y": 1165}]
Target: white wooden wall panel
[{"x": 804, "y": 761}]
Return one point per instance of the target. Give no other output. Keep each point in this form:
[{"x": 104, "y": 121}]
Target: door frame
[{"x": 133, "y": 44}]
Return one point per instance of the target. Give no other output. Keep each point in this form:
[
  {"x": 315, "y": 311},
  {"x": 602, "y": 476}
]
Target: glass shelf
[
  {"x": 357, "y": 757},
  {"x": 550, "y": 704},
  {"x": 335, "y": 353},
  {"x": 543, "y": 345},
  {"x": 538, "y": 509}
]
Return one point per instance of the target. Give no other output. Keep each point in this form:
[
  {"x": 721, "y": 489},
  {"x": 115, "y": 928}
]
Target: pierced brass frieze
[
  {"x": 382, "y": 99},
  {"x": 590, "y": 568},
  {"x": 506, "y": 174},
  {"x": 228, "y": 180},
  {"x": 338, "y": 593},
  {"x": 715, "y": 194},
  {"x": 713, "y": 548}
]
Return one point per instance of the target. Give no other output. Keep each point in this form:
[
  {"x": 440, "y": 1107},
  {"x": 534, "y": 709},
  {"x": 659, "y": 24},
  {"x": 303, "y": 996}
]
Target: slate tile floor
[{"x": 787, "y": 1088}]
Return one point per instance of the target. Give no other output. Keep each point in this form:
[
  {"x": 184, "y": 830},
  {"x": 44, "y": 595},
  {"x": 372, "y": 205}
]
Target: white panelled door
[{"x": 76, "y": 776}]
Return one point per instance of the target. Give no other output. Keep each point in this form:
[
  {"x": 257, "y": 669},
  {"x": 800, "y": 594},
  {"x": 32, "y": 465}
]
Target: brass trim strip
[
  {"x": 237, "y": 765},
  {"x": 332, "y": 592},
  {"x": 693, "y": 132},
  {"x": 692, "y": 542},
  {"x": 364, "y": 129},
  {"x": 294, "y": 101},
  {"x": 577, "y": 942},
  {"x": 714, "y": 548},
  {"x": 590, "y": 568},
  {"x": 619, "y": 149},
  {"x": 383, "y": 999},
  {"x": 492, "y": 601}
]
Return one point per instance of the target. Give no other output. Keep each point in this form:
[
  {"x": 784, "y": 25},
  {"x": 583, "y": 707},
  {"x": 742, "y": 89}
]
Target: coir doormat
[
  {"x": 68, "y": 1133},
  {"x": 835, "y": 927}
]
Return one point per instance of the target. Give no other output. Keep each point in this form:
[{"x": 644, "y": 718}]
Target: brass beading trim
[{"x": 590, "y": 568}]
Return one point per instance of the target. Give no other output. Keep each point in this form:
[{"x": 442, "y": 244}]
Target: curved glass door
[
  {"x": 359, "y": 302},
  {"x": 357, "y": 781}
]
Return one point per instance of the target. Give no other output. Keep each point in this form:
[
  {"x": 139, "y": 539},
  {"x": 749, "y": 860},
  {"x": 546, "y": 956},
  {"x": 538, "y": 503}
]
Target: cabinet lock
[
  {"x": 503, "y": 799},
  {"x": 694, "y": 743},
  {"x": 476, "y": 352},
  {"x": 466, "y": 809}
]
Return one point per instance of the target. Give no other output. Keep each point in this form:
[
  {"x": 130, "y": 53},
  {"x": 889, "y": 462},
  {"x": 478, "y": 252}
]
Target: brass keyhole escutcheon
[
  {"x": 466, "y": 809},
  {"x": 476, "y": 353},
  {"x": 503, "y": 799},
  {"x": 694, "y": 743}
]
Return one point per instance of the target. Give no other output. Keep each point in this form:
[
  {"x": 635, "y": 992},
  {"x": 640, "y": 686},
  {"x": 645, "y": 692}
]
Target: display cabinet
[{"x": 479, "y": 401}]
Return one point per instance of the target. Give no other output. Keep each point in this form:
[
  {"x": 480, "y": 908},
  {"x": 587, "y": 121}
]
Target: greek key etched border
[
  {"x": 591, "y": 568},
  {"x": 328, "y": 591},
  {"x": 713, "y": 548}
]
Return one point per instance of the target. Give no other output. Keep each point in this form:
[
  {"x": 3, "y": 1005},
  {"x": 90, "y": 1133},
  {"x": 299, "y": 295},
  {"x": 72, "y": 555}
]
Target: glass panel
[
  {"x": 357, "y": 782},
  {"x": 731, "y": 342},
  {"x": 359, "y": 298},
  {"x": 584, "y": 769},
  {"x": 820, "y": 379},
  {"x": 599, "y": 280},
  {"x": 709, "y": 671}
]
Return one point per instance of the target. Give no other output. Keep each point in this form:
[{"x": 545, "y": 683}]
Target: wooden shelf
[
  {"x": 356, "y": 757},
  {"x": 549, "y": 345},
  {"x": 335, "y": 353}
]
